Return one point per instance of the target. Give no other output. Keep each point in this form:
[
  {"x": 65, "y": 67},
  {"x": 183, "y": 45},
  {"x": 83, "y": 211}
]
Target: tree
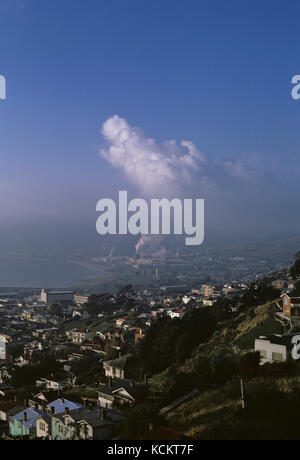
[
  {"x": 170, "y": 341},
  {"x": 111, "y": 353},
  {"x": 55, "y": 308},
  {"x": 137, "y": 420},
  {"x": 126, "y": 291},
  {"x": 295, "y": 269},
  {"x": 15, "y": 349},
  {"x": 103, "y": 303}
]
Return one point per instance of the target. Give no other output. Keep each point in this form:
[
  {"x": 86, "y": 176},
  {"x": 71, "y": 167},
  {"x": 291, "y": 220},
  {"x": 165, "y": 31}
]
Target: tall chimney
[
  {"x": 52, "y": 408},
  {"x": 104, "y": 414},
  {"x": 110, "y": 381},
  {"x": 67, "y": 411},
  {"x": 25, "y": 416}
]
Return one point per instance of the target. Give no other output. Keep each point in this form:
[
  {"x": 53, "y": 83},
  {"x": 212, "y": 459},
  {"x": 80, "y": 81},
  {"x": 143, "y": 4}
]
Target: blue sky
[{"x": 212, "y": 72}]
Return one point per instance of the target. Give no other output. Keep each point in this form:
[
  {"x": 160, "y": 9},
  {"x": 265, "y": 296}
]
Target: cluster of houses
[
  {"x": 35, "y": 332},
  {"x": 278, "y": 347},
  {"x": 44, "y": 417}
]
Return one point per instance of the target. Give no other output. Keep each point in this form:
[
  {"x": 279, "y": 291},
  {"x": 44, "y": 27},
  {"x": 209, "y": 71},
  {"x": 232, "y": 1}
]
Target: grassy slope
[
  {"x": 239, "y": 334},
  {"x": 219, "y": 404},
  {"x": 203, "y": 412}
]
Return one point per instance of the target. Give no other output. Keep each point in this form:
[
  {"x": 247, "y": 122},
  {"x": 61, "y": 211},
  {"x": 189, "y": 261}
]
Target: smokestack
[
  {"x": 25, "y": 416},
  {"x": 62, "y": 400},
  {"x": 67, "y": 411},
  {"x": 52, "y": 409},
  {"x": 110, "y": 381},
  {"x": 85, "y": 402},
  {"x": 104, "y": 414}
]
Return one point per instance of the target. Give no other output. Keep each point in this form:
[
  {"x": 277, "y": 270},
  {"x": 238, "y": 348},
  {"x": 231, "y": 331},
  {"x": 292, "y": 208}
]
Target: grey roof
[
  {"x": 120, "y": 363},
  {"x": 93, "y": 416},
  {"x": 280, "y": 339},
  {"x": 46, "y": 418},
  {"x": 117, "y": 385}
]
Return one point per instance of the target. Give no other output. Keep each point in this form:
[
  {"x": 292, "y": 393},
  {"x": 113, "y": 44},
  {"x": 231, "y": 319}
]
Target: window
[
  {"x": 277, "y": 357},
  {"x": 263, "y": 354}
]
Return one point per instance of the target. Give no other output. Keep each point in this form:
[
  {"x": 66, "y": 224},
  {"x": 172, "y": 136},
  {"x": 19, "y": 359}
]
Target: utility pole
[{"x": 242, "y": 394}]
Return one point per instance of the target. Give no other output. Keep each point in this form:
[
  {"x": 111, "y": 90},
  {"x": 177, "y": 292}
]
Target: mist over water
[{"x": 26, "y": 271}]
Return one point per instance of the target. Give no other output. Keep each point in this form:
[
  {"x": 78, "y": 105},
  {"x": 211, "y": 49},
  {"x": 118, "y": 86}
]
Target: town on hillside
[{"x": 215, "y": 361}]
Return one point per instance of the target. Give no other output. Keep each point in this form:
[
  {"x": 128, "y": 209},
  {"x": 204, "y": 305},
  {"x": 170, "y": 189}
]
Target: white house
[
  {"x": 177, "y": 313},
  {"x": 81, "y": 335},
  {"x": 274, "y": 348}
]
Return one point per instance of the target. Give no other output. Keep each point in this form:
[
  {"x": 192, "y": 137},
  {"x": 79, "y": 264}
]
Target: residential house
[
  {"x": 9, "y": 409},
  {"x": 208, "y": 302},
  {"x": 54, "y": 384},
  {"x": 274, "y": 348},
  {"x": 59, "y": 405},
  {"x": 80, "y": 299},
  {"x": 117, "y": 393},
  {"x": 42, "y": 399},
  {"x": 139, "y": 335},
  {"x": 24, "y": 423},
  {"x": 177, "y": 313},
  {"x": 291, "y": 304},
  {"x": 86, "y": 424},
  {"x": 121, "y": 321},
  {"x": 118, "y": 368},
  {"x": 279, "y": 284},
  {"x": 81, "y": 335},
  {"x": 43, "y": 426}
]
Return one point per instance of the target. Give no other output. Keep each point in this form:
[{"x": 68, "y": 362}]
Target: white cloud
[
  {"x": 172, "y": 169},
  {"x": 149, "y": 165}
]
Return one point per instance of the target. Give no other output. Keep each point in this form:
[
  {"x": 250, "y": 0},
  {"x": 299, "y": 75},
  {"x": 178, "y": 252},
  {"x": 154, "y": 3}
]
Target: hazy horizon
[{"x": 162, "y": 100}]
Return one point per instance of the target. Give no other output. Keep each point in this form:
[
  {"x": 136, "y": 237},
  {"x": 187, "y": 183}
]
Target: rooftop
[
  {"x": 61, "y": 404},
  {"x": 120, "y": 363}
]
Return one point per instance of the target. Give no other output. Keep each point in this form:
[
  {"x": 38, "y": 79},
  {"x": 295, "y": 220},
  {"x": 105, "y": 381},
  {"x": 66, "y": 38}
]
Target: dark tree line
[{"x": 172, "y": 340}]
